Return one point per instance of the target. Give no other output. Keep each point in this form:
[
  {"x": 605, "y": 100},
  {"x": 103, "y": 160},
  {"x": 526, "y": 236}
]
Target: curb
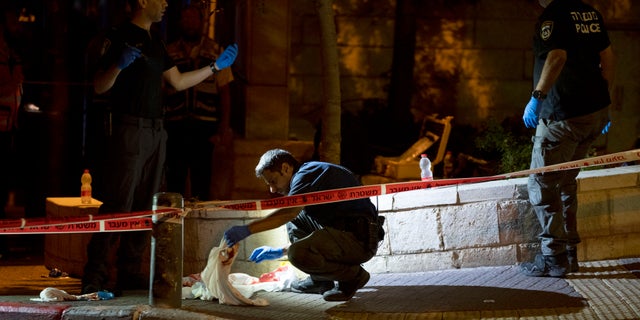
[{"x": 30, "y": 311}]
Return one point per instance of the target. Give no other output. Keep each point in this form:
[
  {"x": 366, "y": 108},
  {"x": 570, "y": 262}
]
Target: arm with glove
[
  {"x": 552, "y": 67},
  {"x": 267, "y": 253},
  {"x": 103, "y": 81},
  {"x": 182, "y": 81},
  {"x": 607, "y": 64},
  {"x": 278, "y": 218}
]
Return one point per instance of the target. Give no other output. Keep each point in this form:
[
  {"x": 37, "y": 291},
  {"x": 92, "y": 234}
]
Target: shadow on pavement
[{"x": 424, "y": 299}]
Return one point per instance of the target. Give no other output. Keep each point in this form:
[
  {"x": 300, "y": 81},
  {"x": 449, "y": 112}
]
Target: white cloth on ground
[
  {"x": 53, "y": 295},
  {"x": 215, "y": 282}
]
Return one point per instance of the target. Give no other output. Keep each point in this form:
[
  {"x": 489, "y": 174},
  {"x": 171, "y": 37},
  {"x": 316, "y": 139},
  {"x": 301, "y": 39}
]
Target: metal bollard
[{"x": 165, "y": 283}]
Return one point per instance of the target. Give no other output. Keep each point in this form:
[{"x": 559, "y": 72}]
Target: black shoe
[
  {"x": 308, "y": 285},
  {"x": 572, "y": 258},
  {"x": 346, "y": 289},
  {"x": 546, "y": 266}
]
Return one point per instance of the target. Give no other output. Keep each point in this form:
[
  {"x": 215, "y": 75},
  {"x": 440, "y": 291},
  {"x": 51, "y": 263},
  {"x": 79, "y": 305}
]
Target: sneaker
[
  {"x": 308, "y": 285},
  {"x": 346, "y": 289},
  {"x": 546, "y": 266},
  {"x": 572, "y": 257}
]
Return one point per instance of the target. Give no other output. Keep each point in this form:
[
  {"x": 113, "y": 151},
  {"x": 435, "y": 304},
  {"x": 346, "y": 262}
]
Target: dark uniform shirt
[
  {"x": 578, "y": 29},
  {"x": 318, "y": 176},
  {"x": 137, "y": 90}
]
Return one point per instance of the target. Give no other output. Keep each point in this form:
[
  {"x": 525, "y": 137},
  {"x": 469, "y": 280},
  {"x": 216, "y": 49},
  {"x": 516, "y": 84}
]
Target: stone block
[
  {"x": 420, "y": 262},
  {"x": 377, "y": 264},
  {"x": 605, "y": 179},
  {"x": 361, "y": 88},
  {"x": 616, "y": 246},
  {"x": 487, "y": 191},
  {"x": 204, "y": 230},
  {"x": 444, "y": 33},
  {"x": 517, "y": 222},
  {"x": 360, "y": 61},
  {"x": 363, "y": 8},
  {"x": 504, "y": 11},
  {"x": 492, "y": 34},
  {"x": 471, "y": 225},
  {"x": 266, "y": 52},
  {"x": 424, "y": 198},
  {"x": 413, "y": 231},
  {"x": 247, "y": 154},
  {"x": 85, "y": 312},
  {"x": 594, "y": 219},
  {"x": 265, "y": 106},
  {"x": 625, "y": 211},
  {"x": 383, "y": 203},
  {"x": 301, "y": 62},
  {"x": 378, "y": 31},
  {"x": 491, "y": 64},
  {"x": 488, "y": 256}
]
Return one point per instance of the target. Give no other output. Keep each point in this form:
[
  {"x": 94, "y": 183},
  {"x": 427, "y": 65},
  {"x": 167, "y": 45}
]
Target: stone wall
[
  {"x": 492, "y": 223},
  {"x": 483, "y": 224}
]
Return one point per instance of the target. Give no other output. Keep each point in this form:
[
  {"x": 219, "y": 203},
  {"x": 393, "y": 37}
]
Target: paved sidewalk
[{"x": 601, "y": 290}]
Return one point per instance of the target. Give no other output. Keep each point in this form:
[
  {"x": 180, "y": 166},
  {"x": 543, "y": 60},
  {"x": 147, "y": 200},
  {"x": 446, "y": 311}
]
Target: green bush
[{"x": 508, "y": 144}]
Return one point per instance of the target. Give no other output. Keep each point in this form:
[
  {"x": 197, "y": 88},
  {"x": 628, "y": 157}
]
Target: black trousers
[
  {"x": 325, "y": 253},
  {"x": 190, "y": 153},
  {"x": 133, "y": 174}
]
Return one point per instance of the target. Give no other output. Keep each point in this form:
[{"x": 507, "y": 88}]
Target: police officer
[
  {"x": 328, "y": 241},
  {"x": 133, "y": 63},
  {"x": 573, "y": 70}
]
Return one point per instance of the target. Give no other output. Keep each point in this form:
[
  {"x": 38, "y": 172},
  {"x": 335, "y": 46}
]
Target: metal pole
[{"x": 165, "y": 283}]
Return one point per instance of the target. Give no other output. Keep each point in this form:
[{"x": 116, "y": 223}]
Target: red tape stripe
[
  {"x": 343, "y": 194},
  {"x": 135, "y": 221}
]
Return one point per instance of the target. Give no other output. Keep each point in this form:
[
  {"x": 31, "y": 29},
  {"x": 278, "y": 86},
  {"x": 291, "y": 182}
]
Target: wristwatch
[
  {"x": 538, "y": 95},
  {"x": 212, "y": 65}
]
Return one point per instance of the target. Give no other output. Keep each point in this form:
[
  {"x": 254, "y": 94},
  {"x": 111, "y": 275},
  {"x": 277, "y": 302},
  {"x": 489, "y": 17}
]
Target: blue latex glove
[
  {"x": 266, "y": 253},
  {"x": 530, "y": 116},
  {"x": 236, "y": 234},
  {"x": 606, "y": 128},
  {"x": 227, "y": 57},
  {"x": 129, "y": 55}
]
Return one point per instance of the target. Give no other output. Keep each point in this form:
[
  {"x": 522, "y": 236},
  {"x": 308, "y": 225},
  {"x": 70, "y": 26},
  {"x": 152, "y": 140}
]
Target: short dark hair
[{"x": 273, "y": 159}]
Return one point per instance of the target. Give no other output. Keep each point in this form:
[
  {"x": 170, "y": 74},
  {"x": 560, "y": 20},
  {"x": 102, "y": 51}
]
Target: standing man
[
  {"x": 133, "y": 63},
  {"x": 199, "y": 117},
  {"x": 573, "y": 71},
  {"x": 328, "y": 241}
]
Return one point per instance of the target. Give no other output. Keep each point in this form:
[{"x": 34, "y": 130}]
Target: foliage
[{"x": 508, "y": 144}]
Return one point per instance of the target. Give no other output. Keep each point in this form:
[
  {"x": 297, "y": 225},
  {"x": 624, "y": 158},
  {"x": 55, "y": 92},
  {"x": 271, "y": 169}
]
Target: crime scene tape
[
  {"x": 336, "y": 195},
  {"x": 136, "y": 221}
]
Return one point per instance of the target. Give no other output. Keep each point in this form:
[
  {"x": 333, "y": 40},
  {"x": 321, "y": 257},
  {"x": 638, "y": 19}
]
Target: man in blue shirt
[{"x": 328, "y": 241}]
